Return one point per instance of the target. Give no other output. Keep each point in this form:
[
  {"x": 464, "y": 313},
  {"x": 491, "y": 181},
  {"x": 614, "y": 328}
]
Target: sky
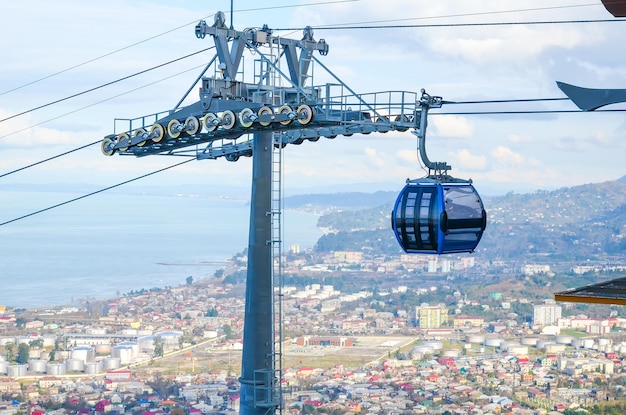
[{"x": 56, "y": 49}]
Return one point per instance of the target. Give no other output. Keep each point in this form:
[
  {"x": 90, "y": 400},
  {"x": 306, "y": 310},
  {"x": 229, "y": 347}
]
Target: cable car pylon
[{"x": 238, "y": 115}]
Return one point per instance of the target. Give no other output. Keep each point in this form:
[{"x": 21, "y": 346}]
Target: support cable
[
  {"x": 49, "y": 159},
  {"x": 438, "y": 25},
  {"x": 94, "y": 193},
  {"x": 534, "y": 9},
  {"x": 505, "y": 101},
  {"x": 107, "y": 84},
  {"x": 100, "y": 102},
  {"x": 162, "y": 34},
  {"x": 524, "y": 112}
]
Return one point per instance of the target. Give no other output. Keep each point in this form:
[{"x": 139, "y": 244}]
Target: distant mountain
[{"x": 335, "y": 201}]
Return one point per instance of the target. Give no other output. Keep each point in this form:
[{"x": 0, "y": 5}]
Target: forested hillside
[{"x": 576, "y": 223}]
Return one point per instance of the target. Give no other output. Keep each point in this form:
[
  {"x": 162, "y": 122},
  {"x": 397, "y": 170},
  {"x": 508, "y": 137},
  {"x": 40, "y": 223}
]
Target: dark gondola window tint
[
  {"x": 429, "y": 239},
  {"x": 416, "y": 218},
  {"x": 465, "y": 221},
  {"x": 463, "y": 207}
]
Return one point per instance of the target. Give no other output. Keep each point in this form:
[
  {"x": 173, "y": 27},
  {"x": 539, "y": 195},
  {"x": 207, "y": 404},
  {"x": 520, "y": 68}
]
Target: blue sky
[{"x": 500, "y": 153}]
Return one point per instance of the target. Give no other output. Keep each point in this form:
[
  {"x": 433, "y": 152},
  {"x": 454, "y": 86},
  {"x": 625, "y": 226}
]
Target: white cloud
[
  {"x": 519, "y": 139},
  {"x": 450, "y": 126},
  {"x": 408, "y": 157},
  {"x": 505, "y": 156},
  {"x": 374, "y": 159},
  {"x": 466, "y": 161}
]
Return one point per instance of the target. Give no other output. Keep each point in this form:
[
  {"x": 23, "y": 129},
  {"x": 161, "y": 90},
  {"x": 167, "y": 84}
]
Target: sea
[{"x": 112, "y": 243}]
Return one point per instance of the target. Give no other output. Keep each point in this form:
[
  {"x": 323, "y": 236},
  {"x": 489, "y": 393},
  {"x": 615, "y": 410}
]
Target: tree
[
  {"x": 9, "y": 348},
  {"x": 36, "y": 344},
  {"x": 23, "y": 352},
  {"x": 158, "y": 346},
  {"x": 228, "y": 331}
]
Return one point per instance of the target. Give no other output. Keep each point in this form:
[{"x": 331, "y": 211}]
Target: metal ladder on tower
[{"x": 277, "y": 268}]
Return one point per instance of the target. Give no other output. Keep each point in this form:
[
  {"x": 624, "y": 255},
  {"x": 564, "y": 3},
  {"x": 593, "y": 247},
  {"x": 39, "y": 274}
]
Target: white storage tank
[
  {"x": 475, "y": 338},
  {"x": 74, "y": 365},
  {"x": 84, "y": 353},
  {"x": 134, "y": 346},
  {"x": 545, "y": 344},
  {"x": 49, "y": 340},
  {"x": 541, "y": 343},
  {"x": 529, "y": 341},
  {"x": 564, "y": 339},
  {"x": 4, "y": 366},
  {"x": 93, "y": 368},
  {"x": 123, "y": 352},
  {"x": 102, "y": 349},
  {"x": 16, "y": 371},
  {"x": 506, "y": 346},
  {"x": 54, "y": 369},
  {"x": 587, "y": 343},
  {"x": 493, "y": 342},
  {"x": 423, "y": 349},
  {"x": 37, "y": 365},
  {"x": 435, "y": 344},
  {"x": 146, "y": 344},
  {"x": 554, "y": 348},
  {"x": 111, "y": 363},
  {"x": 170, "y": 338}
]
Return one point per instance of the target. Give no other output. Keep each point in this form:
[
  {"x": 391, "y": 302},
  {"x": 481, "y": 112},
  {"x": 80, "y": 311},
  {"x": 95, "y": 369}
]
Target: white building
[{"x": 546, "y": 314}]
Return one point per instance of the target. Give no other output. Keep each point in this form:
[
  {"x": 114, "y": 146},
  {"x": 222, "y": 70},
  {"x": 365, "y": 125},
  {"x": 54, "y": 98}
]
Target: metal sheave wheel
[
  {"x": 246, "y": 117},
  {"x": 138, "y": 133},
  {"x": 263, "y": 111},
  {"x": 173, "y": 129},
  {"x": 284, "y": 110},
  {"x": 122, "y": 137},
  {"x": 192, "y": 125},
  {"x": 209, "y": 121},
  {"x": 304, "y": 114},
  {"x": 228, "y": 119},
  {"x": 107, "y": 146},
  {"x": 157, "y": 132}
]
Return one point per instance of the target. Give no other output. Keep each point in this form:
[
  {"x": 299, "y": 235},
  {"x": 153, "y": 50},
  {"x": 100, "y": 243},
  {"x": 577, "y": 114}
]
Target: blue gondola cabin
[{"x": 438, "y": 218}]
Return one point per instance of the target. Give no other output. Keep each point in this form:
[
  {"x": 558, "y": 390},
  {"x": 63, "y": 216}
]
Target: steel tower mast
[{"x": 232, "y": 106}]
